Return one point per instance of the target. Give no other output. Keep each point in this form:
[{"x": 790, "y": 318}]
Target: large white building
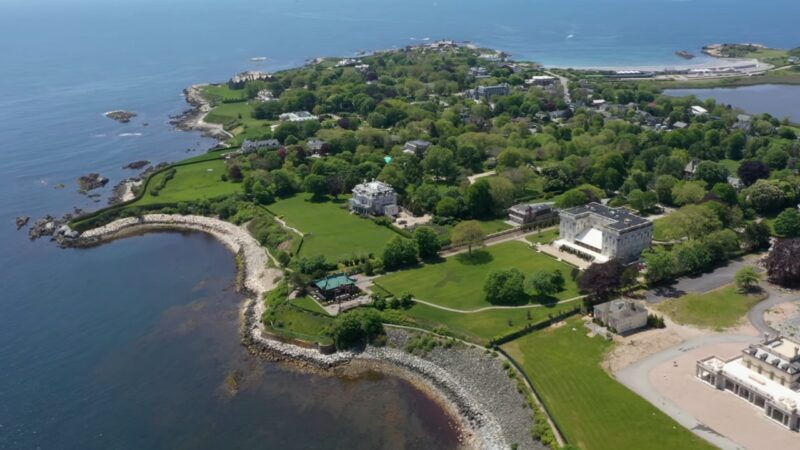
[
  {"x": 765, "y": 374},
  {"x": 297, "y": 116},
  {"x": 602, "y": 233},
  {"x": 374, "y": 197}
]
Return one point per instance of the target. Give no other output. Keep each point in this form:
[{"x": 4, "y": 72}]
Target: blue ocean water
[
  {"x": 781, "y": 101},
  {"x": 88, "y": 358}
]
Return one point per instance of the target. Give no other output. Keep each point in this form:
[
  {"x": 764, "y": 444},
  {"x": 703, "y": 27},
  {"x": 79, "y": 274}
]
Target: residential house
[
  {"x": 316, "y": 146},
  {"x": 416, "y": 147},
  {"x": 532, "y": 214},
  {"x": 238, "y": 81},
  {"x": 698, "y": 110},
  {"x": 541, "y": 80},
  {"x": 335, "y": 287},
  {"x": 297, "y": 116},
  {"x": 487, "y": 92},
  {"x": 375, "y": 198},
  {"x": 621, "y": 316},
  {"x": 252, "y": 146}
]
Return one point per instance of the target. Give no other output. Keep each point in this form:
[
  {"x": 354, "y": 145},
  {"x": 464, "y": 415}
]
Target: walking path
[
  {"x": 489, "y": 308},
  {"x": 517, "y": 235},
  {"x": 564, "y": 84},
  {"x": 477, "y": 176}
]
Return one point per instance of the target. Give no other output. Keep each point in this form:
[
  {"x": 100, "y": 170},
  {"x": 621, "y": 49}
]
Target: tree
[
  {"x": 747, "y": 278},
  {"x": 659, "y": 263},
  {"x": 688, "y": 192},
  {"x": 756, "y": 236},
  {"x": 502, "y": 191},
  {"x": 355, "y": 328},
  {"x": 783, "y": 263},
  {"x": 427, "y": 242},
  {"x": 572, "y": 198},
  {"x": 400, "y": 252},
  {"x": 317, "y": 185},
  {"x": 505, "y": 287},
  {"x": 663, "y": 188},
  {"x": 711, "y": 172},
  {"x": 765, "y": 196},
  {"x": 440, "y": 163},
  {"x": 751, "y": 171},
  {"x": 642, "y": 201},
  {"x": 787, "y": 224},
  {"x": 479, "y": 199},
  {"x": 602, "y": 280},
  {"x": 544, "y": 283},
  {"x": 469, "y": 233},
  {"x": 235, "y": 173},
  {"x": 448, "y": 207},
  {"x": 725, "y": 192}
]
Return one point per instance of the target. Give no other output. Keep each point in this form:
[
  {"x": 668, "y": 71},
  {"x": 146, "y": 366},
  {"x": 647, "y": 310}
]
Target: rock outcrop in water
[
  {"x": 136, "y": 165},
  {"x": 120, "y": 115},
  {"x": 91, "y": 181},
  {"x": 22, "y": 221}
]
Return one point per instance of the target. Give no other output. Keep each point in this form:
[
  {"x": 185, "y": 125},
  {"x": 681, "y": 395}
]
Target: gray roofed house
[
  {"x": 622, "y": 316},
  {"x": 252, "y": 146},
  {"x": 602, "y": 233},
  {"x": 531, "y": 213},
  {"x": 487, "y": 92},
  {"x": 416, "y": 147},
  {"x": 316, "y": 146},
  {"x": 374, "y": 197}
]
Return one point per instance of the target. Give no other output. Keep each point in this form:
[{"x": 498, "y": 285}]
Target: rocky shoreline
[
  {"x": 193, "y": 119},
  {"x": 468, "y": 381}
]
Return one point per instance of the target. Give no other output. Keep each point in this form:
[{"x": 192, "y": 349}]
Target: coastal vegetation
[{"x": 591, "y": 409}]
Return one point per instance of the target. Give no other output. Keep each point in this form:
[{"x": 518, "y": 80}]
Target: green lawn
[
  {"x": 719, "y": 309},
  {"x": 593, "y": 410},
  {"x": 330, "y": 230},
  {"x": 217, "y": 93},
  {"x": 458, "y": 281},
  {"x": 308, "y": 304},
  {"x": 494, "y": 225},
  {"x": 240, "y": 112},
  {"x": 483, "y": 326},
  {"x": 731, "y": 165},
  {"x": 190, "y": 183},
  {"x": 544, "y": 237},
  {"x": 663, "y": 230},
  {"x": 299, "y": 323}
]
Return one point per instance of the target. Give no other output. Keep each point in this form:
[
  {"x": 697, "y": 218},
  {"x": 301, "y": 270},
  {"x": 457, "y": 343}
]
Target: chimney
[{"x": 766, "y": 337}]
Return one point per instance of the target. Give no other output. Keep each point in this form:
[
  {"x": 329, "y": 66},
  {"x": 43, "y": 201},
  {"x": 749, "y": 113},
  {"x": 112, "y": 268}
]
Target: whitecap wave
[{"x": 129, "y": 134}]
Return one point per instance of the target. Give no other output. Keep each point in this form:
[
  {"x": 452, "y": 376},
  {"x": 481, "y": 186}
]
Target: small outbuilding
[
  {"x": 621, "y": 316},
  {"x": 335, "y": 287}
]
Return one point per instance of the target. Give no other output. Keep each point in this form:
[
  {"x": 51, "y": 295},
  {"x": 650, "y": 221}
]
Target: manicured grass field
[
  {"x": 308, "y": 304},
  {"x": 495, "y": 225},
  {"x": 227, "y": 112},
  {"x": 543, "y": 237},
  {"x": 731, "y": 165},
  {"x": 719, "y": 309},
  {"x": 483, "y": 326},
  {"x": 192, "y": 182},
  {"x": 216, "y": 94},
  {"x": 330, "y": 230},
  {"x": 593, "y": 410},
  {"x": 299, "y": 323},
  {"x": 457, "y": 282}
]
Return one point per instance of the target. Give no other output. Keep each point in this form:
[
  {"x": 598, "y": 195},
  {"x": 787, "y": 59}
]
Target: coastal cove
[
  {"x": 139, "y": 387},
  {"x": 778, "y": 100}
]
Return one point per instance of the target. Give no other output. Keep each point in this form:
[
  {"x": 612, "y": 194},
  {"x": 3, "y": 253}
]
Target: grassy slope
[
  {"x": 481, "y": 327},
  {"x": 458, "y": 281},
  {"x": 594, "y": 411},
  {"x": 192, "y": 182},
  {"x": 543, "y": 237},
  {"x": 719, "y": 309},
  {"x": 308, "y": 304},
  {"x": 330, "y": 230}
]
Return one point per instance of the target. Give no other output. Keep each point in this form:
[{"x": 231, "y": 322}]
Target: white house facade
[
  {"x": 602, "y": 233},
  {"x": 375, "y": 198}
]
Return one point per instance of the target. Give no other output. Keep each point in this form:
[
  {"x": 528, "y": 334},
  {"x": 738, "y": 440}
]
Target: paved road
[
  {"x": 701, "y": 283},
  {"x": 637, "y": 378},
  {"x": 776, "y": 297},
  {"x": 565, "y": 84}
]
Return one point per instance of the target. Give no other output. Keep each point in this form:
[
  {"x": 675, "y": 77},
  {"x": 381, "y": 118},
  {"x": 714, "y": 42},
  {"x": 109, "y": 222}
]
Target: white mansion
[
  {"x": 765, "y": 374},
  {"x": 602, "y": 233},
  {"x": 374, "y": 197}
]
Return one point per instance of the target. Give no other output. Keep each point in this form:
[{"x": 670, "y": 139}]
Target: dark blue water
[
  {"x": 781, "y": 101},
  {"x": 127, "y": 345}
]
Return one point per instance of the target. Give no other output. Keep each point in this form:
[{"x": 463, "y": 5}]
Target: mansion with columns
[{"x": 766, "y": 375}]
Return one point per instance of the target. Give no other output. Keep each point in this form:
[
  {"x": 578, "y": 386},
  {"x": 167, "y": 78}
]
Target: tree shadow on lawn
[
  {"x": 476, "y": 258},
  {"x": 544, "y": 300}
]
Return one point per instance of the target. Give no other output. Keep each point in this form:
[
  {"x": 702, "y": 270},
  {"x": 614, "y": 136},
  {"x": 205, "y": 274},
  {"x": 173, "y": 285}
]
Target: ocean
[{"x": 127, "y": 345}]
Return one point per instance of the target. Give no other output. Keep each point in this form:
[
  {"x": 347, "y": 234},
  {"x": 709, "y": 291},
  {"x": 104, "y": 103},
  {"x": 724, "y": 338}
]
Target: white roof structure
[
  {"x": 699, "y": 110},
  {"x": 591, "y": 237},
  {"x": 789, "y": 398}
]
